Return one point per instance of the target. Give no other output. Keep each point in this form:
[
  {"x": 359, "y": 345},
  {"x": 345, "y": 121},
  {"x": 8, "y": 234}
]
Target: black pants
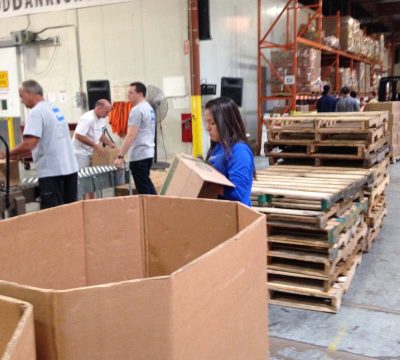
[
  {"x": 141, "y": 176},
  {"x": 58, "y": 190}
]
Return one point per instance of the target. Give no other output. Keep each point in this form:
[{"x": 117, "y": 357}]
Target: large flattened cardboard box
[
  {"x": 141, "y": 278},
  {"x": 190, "y": 177},
  {"x": 14, "y": 172},
  {"x": 17, "y": 336},
  {"x": 393, "y": 107}
]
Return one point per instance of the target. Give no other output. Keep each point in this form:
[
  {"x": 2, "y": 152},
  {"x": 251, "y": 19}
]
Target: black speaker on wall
[
  {"x": 96, "y": 90},
  {"x": 204, "y": 20},
  {"x": 232, "y": 88}
]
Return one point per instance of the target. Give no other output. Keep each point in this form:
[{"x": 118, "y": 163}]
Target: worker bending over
[{"x": 90, "y": 135}]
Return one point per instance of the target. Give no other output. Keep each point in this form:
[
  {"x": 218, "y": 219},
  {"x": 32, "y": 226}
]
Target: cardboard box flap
[
  {"x": 205, "y": 171},
  {"x": 17, "y": 340}
]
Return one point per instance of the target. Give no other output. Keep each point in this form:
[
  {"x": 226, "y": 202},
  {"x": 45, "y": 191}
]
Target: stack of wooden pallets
[
  {"x": 377, "y": 204},
  {"x": 316, "y": 231},
  {"x": 332, "y": 139},
  {"x": 355, "y": 139}
]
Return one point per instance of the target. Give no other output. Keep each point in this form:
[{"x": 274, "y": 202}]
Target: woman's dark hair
[{"x": 229, "y": 122}]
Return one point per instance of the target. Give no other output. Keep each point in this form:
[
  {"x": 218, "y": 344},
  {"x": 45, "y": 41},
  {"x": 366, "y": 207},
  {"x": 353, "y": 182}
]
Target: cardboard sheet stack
[
  {"x": 140, "y": 278},
  {"x": 357, "y": 140},
  {"x": 308, "y": 70},
  {"x": 316, "y": 232}
]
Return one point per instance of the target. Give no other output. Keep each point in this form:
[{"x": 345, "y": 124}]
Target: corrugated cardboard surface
[
  {"x": 208, "y": 302},
  {"x": 187, "y": 176},
  {"x": 113, "y": 234},
  {"x": 17, "y": 339},
  {"x": 108, "y": 158},
  {"x": 187, "y": 232},
  {"x": 14, "y": 172},
  {"x": 44, "y": 249}
]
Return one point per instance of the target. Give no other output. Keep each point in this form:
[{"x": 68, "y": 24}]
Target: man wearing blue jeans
[{"x": 139, "y": 140}]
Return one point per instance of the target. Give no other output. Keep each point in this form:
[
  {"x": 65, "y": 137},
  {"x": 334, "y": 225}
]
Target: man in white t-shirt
[
  {"x": 89, "y": 133},
  {"x": 139, "y": 140},
  {"x": 46, "y": 135}
]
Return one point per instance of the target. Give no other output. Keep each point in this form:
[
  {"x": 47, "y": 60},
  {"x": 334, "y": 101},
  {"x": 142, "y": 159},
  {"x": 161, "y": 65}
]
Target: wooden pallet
[
  {"x": 376, "y": 213},
  {"x": 331, "y": 149},
  {"x": 377, "y": 192},
  {"x": 327, "y": 159},
  {"x": 335, "y": 226},
  {"x": 284, "y": 210},
  {"x": 307, "y": 187},
  {"x": 307, "y": 297},
  {"x": 314, "y": 262},
  {"x": 379, "y": 171},
  {"x": 371, "y": 237}
]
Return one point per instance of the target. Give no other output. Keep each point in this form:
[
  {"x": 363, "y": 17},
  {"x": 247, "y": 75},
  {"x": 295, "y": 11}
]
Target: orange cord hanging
[{"x": 118, "y": 117}]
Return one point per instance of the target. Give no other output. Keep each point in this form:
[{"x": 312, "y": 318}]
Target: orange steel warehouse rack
[{"x": 293, "y": 36}]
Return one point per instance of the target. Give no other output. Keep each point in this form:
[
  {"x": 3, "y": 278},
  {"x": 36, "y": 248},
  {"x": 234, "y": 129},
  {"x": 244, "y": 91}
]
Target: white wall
[{"x": 141, "y": 40}]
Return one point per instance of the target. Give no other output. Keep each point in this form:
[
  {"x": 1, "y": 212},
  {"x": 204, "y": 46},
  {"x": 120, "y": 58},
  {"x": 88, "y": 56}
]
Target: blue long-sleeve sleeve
[{"x": 238, "y": 167}]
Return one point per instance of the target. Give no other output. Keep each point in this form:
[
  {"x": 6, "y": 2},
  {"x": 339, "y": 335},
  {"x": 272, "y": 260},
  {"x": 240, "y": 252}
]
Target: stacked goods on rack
[
  {"x": 361, "y": 77},
  {"x": 355, "y": 139},
  {"x": 308, "y": 77},
  {"x": 347, "y": 77},
  {"x": 352, "y": 38},
  {"x": 316, "y": 232},
  {"x": 309, "y": 31},
  {"x": 349, "y": 32},
  {"x": 393, "y": 107}
]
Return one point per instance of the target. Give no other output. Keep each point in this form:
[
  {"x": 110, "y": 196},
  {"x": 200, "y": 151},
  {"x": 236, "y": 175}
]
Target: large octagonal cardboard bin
[
  {"x": 17, "y": 337},
  {"x": 141, "y": 278}
]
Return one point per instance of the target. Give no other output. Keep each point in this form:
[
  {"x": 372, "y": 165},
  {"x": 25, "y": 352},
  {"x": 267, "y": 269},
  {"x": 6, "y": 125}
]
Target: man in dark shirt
[{"x": 327, "y": 102}]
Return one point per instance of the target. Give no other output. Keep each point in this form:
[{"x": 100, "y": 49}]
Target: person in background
[
  {"x": 373, "y": 98},
  {"x": 347, "y": 103},
  {"x": 89, "y": 135},
  {"x": 327, "y": 102},
  {"x": 230, "y": 152},
  {"x": 46, "y": 135},
  {"x": 139, "y": 140}
]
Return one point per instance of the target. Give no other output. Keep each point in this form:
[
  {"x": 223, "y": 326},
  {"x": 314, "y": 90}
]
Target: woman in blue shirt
[{"x": 230, "y": 152}]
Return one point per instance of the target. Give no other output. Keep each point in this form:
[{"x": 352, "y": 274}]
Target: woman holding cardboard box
[{"x": 230, "y": 152}]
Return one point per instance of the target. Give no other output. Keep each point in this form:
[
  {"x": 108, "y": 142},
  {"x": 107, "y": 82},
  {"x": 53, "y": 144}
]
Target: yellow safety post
[
  {"x": 197, "y": 126},
  {"x": 11, "y": 134}
]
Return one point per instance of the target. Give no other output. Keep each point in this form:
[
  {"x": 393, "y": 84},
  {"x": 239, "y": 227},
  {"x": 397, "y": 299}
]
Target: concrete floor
[{"x": 368, "y": 324}]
